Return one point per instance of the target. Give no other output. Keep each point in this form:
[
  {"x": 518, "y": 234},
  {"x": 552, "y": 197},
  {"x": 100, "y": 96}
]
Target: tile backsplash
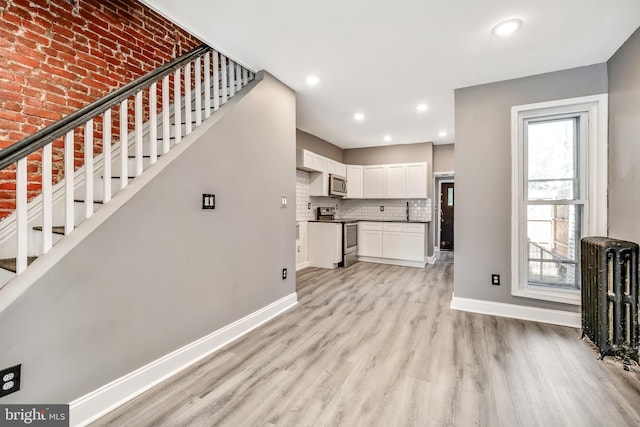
[{"x": 394, "y": 209}]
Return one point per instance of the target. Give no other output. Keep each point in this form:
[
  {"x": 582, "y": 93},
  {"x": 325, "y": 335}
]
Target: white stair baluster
[
  {"x": 207, "y": 84},
  {"x": 88, "y": 169},
  {"x": 21, "y": 215},
  {"x": 47, "y": 198},
  {"x": 216, "y": 81},
  {"x": 153, "y": 122},
  {"x": 187, "y": 98},
  {"x": 232, "y": 81},
  {"x": 138, "y": 125},
  {"x": 245, "y": 77},
  {"x": 177, "y": 100},
  {"x": 198, "y": 90},
  {"x": 106, "y": 153},
  {"x": 124, "y": 144},
  {"x": 238, "y": 77},
  {"x": 69, "y": 172},
  {"x": 223, "y": 70},
  {"x": 166, "y": 117}
]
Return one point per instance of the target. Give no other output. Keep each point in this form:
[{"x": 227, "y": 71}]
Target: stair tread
[
  {"x": 10, "y": 263},
  {"x": 56, "y": 229}
]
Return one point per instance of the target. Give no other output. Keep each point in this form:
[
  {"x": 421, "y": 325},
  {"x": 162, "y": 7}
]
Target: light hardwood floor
[{"x": 377, "y": 345}]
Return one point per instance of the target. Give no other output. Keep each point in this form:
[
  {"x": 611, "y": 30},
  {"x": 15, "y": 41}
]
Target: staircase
[{"x": 206, "y": 80}]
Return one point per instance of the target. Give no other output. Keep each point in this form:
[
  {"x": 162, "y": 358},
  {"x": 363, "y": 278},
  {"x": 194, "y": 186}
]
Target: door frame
[{"x": 440, "y": 178}]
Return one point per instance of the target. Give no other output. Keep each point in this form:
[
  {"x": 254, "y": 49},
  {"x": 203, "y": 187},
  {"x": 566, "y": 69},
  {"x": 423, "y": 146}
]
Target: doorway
[{"x": 446, "y": 215}]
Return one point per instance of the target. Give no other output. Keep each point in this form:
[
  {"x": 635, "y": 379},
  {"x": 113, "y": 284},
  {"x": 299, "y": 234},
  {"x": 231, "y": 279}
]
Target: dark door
[{"x": 446, "y": 220}]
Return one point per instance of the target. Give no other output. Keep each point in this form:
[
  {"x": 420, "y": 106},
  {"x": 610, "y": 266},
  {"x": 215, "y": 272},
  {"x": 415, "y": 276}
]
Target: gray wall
[
  {"x": 160, "y": 272},
  {"x": 443, "y": 158},
  {"x": 317, "y": 145},
  {"x": 624, "y": 141},
  {"x": 483, "y": 175}
]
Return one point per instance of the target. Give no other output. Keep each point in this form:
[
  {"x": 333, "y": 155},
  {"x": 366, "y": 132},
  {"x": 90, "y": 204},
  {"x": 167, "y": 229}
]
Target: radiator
[{"x": 610, "y": 295}]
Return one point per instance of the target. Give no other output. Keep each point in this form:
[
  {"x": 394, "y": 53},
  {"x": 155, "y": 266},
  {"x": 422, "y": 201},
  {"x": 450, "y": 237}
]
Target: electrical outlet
[
  {"x": 495, "y": 279},
  {"x": 381, "y": 208},
  {"x": 284, "y": 273},
  {"x": 10, "y": 380}
]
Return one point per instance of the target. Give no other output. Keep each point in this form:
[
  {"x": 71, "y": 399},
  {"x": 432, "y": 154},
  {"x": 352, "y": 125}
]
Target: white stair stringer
[{"x": 62, "y": 244}]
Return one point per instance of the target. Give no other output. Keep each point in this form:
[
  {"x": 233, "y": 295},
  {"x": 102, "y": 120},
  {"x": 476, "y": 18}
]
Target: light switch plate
[{"x": 283, "y": 201}]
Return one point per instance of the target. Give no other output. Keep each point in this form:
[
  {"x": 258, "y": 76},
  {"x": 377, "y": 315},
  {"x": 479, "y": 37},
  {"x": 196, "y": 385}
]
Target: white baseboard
[
  {"x": 432, "y": 259},
  {"x": 302, "y": 265},
  {"x": 522, "y": 312},
  {"x": 404, "y": 263},
  {"x": 90, "y": 407}
]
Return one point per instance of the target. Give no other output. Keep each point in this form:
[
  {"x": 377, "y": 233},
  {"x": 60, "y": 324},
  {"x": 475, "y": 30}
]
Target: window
[{"x": 559, "y": 159}]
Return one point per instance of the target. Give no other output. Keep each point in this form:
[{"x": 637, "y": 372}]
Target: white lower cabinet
[
  {"x": 392, "y": 242},
  {"x": 370, "y": 239},
  {"x": 325, "y": 244}
]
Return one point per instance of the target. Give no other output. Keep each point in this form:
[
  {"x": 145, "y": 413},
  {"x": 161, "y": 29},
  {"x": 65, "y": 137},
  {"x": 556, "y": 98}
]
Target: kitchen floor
[{"x": 377, "y": 345}]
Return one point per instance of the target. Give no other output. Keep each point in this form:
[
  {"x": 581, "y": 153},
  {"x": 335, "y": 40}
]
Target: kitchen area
[{"x": 364, "y": 210}]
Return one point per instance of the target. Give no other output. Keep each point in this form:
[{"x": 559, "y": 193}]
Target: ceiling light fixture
[
  {"x": 358, "y": 117},
  {"x": 313, "y": 80},
  {"x": 422, "y": 107},
  {"x": 442, "y": 134},
  {"x": 387, "y": 138},
  {"x": 506, "y": 27}
]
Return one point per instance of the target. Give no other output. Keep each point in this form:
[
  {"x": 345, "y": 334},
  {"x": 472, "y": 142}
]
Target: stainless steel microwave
[{"x": 337, "y": 185}]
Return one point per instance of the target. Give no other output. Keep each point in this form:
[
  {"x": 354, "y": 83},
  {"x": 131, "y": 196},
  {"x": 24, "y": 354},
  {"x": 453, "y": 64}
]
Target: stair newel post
[
  {"x": 124, "y": 144},
  {"x": 223, "y": 70},
  {"x": 166, "y": 118},
  {"x": 232, "y": 81},
  {"x": 198, "y": 90},
  {"x": 187, "y": 98},
  {"x": 153, "y": 122},
  {"x": 69, "y": 172},
  {"x": 177, "y": 96},
  {"x": 21, "y": 215},
  {"x": 138, "y": 125},
  {"x": 238, "y": 77},
  {"x": 207, "y": 84},
  {"x": 47, "y": 198},
  {"x": 106, "y": 153},
  {"x": 88, "y": 169},
  {"x": 216, "y": 81}
]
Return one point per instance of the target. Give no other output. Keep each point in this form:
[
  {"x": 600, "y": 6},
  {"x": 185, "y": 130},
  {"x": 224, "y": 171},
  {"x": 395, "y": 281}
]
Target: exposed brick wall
[{"x": 54, "y": 60}]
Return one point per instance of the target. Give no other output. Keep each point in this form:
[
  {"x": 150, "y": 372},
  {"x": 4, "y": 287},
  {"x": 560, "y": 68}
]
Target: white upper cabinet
[
  {"x": 395, "y": 181},
  {"x": 309, "y": 161},
  {"x": 373, "y": 178},
  {"x": 416, "y": 181},
  {"x": 354, "y": 182},
  {"x": 336, "y": 168}
]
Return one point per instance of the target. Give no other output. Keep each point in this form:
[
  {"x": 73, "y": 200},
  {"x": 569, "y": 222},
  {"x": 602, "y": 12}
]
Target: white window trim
[{"x": 596, "y": 106}]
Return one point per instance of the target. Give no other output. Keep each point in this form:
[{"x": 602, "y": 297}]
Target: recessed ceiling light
[
  {"x": 387, "y": 138},
  {"x": 506, "y": 27},
  {"x": 358, "y": 117},
  {"x": 422, "y": 107},
  {"x": 313, "y": 80},
  {"x": 442, "y": 134}
]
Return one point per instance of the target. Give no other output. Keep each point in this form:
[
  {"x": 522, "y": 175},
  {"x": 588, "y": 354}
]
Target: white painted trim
[
  {"x": 444, "y": 174},
  {"x": 441, "y": 179},
  {"x": 302, "y": 265},
  {"x": 596, "y": 106},
  {"x": 432, "y": 259},
  {"x": 389, "y": 261},
  {"x": 522, "y": 312},
  {"x": 93, "y": 405}
]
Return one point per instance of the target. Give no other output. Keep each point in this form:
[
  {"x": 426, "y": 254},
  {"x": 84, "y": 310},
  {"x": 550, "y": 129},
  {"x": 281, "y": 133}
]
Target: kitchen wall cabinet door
[
  {"x": 373, "y": 182},
  {"x": 309, "y": 161},
  {"x": 354, "y": 182},
  {"x": 395, "y": 181},
  {"x": 416, "y": 177}
]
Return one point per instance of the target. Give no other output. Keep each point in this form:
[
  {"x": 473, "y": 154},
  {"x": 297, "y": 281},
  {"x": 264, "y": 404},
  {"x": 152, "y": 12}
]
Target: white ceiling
[{"x": 383, "y": 57}]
